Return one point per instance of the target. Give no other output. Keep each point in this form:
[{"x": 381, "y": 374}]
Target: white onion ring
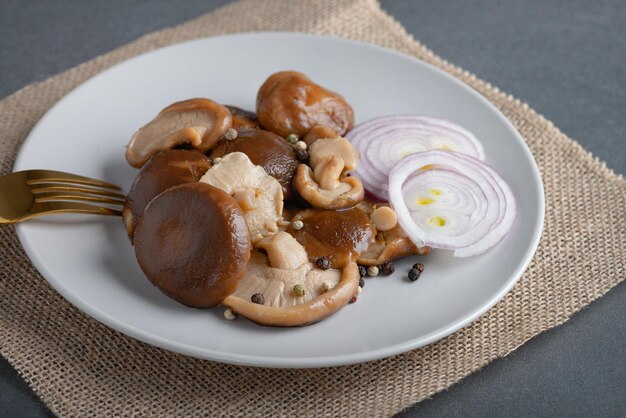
[
  {"x": 383, "y": 141},
  {"x": 459, "y": 204}
]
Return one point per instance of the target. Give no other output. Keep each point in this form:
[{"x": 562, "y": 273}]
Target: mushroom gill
[
  {"x": 282, "y": 307},
  {"x": 259, "y": 195}
]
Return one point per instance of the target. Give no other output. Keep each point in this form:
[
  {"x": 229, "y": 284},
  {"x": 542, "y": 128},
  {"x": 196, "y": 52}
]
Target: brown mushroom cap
[
  {"x": 290, "y": 103},
  {"x": 242, "y": 119},
  {"x": 197, "y": 122},
  {"x": 266, "y": 149},
  {"x": 192, "y": 242},
  {"x": 340, "y": 236},
  {"x": 308, "y": 312},
  {"x": 164, "y": 170}
]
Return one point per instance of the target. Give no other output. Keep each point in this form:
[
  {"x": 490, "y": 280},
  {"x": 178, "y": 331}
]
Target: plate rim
[{"x": 295, "y": 362}]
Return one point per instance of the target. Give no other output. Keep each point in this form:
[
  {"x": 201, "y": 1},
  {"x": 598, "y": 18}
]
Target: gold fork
[{"x": 31, "y": 193}]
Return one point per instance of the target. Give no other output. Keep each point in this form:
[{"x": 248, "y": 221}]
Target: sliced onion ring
[
  {"x": 452, "y": 201},
  {"x": 384, "y": 141}
]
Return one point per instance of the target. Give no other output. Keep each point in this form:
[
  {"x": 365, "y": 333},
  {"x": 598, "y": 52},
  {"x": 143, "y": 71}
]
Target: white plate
[{"x": 90, "y": 261}]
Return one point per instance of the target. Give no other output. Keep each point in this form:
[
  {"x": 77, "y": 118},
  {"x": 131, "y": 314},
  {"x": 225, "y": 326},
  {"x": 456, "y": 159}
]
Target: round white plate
[{"x": 90, "y": 261}]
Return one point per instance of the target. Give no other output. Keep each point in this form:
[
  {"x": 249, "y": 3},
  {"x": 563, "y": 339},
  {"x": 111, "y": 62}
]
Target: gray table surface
[{"x": 567, "y": 59}]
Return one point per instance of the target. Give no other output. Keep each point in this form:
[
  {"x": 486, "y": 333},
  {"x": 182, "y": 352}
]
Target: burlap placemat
[{"x": 80, "y": 367}]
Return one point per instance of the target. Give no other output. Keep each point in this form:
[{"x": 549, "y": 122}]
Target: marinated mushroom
[
  {"x": 242, "y": 119},
  {"x": 265, "y": 149},
  {"x": 326, "y": 185},
  {"x": 259, "y": 195},
  {"x": 322, "y": 292},
  {"x": 337, "y": 194},
  {"x": 171, "y": 244},
  {"x": 340, "y": 236},
  {"x": 164, "y": 170},
  {"x": 211, "y": 229},
  {"x": 388, "y": 245},
  {"x": 195, "y": 122},
  {"x": 319, "y": 132},
  {"x": 338, "y": 147},
  {"x": 290, "y": 103},
  {"x": 283, "y": 251}
]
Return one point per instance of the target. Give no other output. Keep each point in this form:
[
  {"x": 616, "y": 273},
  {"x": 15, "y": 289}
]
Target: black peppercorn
[
  {"x": 387, "y": 268},
  {"x": 362, "y": 271},
  {"x": 361, "y": 282},
  {"x": 419, "y": 266},
  {"x": 414, "y": 274},
  {"x": 323, "y": 263},
  {"x": 302, "y": 154},
  {"x": 258, "y": 298}
]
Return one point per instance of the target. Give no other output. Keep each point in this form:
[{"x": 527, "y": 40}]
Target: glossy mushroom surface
[
  {"x": 338, "y": 147},
  {"x": 176, "y": 244},
  {"x": 198, "y": 123},
  {"x": 206, "y": 213},
  {"x": 242, "y": 119},
  {"x": 340, "y": 236},
  {"x": 289, "y": 102},
  {"x": 164, "y": 170},
  {"x": 388, "y": 245},
  {"x": 319, "y": 132},
  {"x": 326, "y": 187},
  {"x": 265, "y": 149},
  {"x": 324, "y": 182},
  {"x": 283, "y": 251}
]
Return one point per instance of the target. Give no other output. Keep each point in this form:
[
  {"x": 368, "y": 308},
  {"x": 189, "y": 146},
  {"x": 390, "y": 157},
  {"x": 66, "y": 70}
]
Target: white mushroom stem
[
  {"x": 349, "y": 190},
  {"x": 328, "y": 171},
  {"x": 283, "y": 251},
  {"x": 326, "y": 185},
  {"x": 247, "y": 199},
  {"x": 338, "y": 147}
]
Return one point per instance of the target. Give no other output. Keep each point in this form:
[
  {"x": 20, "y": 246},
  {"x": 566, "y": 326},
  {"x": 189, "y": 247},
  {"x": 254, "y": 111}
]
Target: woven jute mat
[{"x": 80, "y": 367}]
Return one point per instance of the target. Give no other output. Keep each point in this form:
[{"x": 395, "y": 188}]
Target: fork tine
[
  {"x": 60, "y": 197},
  {"x": 51, "y": 176},
  {"x": 87, "y": 190},
  {"x": 75, "y": 207}
]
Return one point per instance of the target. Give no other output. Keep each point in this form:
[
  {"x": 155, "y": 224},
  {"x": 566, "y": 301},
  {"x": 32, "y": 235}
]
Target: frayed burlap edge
[{"x": 80, "y": 367}]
